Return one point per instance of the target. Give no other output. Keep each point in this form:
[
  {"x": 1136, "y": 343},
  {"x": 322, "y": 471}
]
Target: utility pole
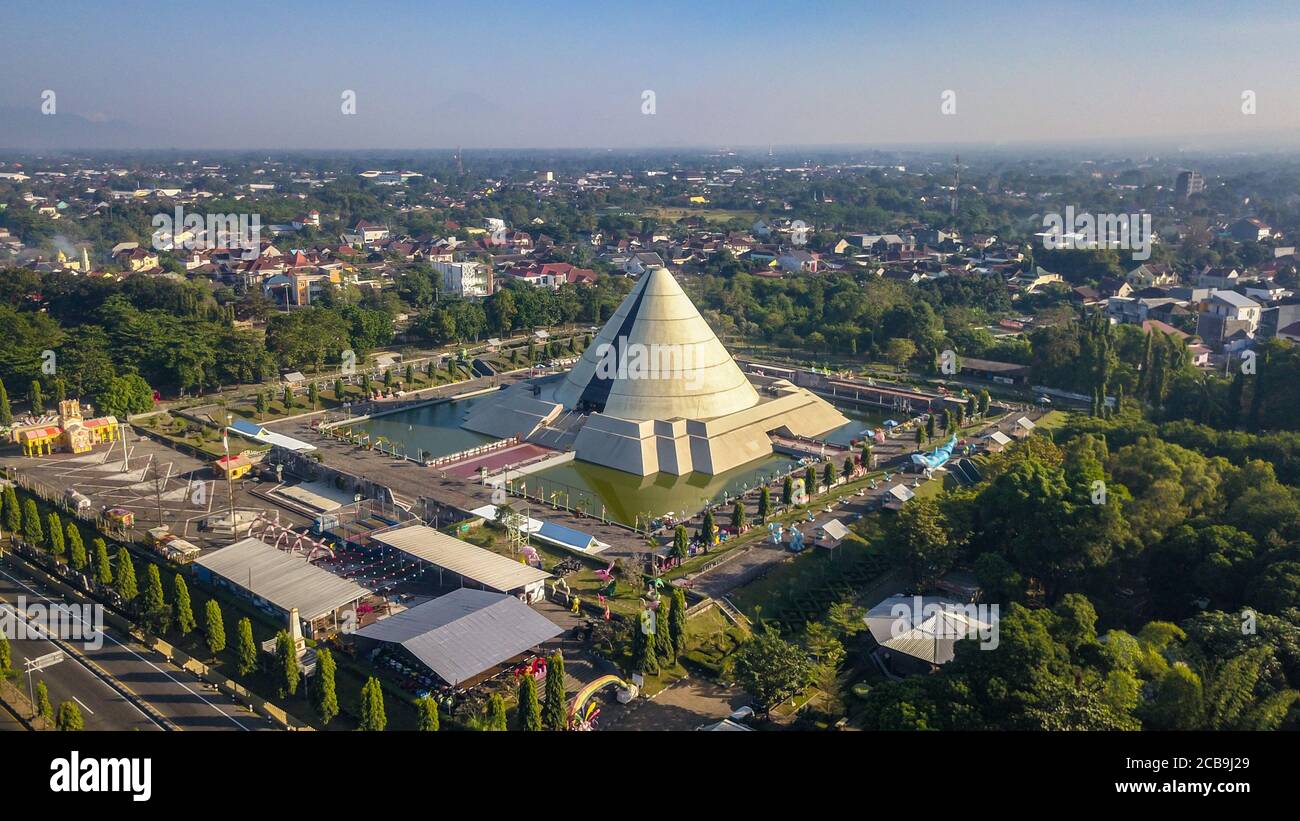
[
  {"x": 158, "y": 488},
  {"x": 230, "y": 483},
  {"x": 956, "y": 183}
]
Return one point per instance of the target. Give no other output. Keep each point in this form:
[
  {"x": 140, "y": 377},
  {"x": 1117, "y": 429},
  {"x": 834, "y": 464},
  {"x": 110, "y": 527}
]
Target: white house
[
  {"x": 1232, "y": 305},
  {"x": 467, "y": 279},
  {"x": 365, "y": 233}
]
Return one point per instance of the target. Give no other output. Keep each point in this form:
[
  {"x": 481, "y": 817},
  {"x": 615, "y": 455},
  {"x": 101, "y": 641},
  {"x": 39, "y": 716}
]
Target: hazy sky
[{"x": 571, "y": 74}]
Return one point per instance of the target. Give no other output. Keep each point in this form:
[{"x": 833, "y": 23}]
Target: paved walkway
[{"x": 686, "y": 705}]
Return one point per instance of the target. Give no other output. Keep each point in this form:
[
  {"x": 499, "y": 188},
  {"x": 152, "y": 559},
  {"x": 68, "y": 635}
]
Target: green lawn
[
  {"x": 1052, "y": 420},
  {"x": 710, "y": 638}
]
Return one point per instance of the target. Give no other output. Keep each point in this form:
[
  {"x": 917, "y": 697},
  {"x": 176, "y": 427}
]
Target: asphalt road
[
  {"x": 102, "y": 707},
  {"x": 177, "y": 695}
]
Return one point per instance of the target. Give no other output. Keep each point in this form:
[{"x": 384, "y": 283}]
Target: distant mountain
[{"x": 28, "y": 128}]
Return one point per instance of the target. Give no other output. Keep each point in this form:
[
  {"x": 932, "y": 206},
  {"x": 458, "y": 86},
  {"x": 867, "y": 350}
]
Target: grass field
[
  {"x": 672, "y": 214},
  {"x": 1052, "y": 420},
  {"x": 710, "y": 638}
]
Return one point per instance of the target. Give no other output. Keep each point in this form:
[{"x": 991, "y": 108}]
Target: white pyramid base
[{"x": 682, "y": 446}]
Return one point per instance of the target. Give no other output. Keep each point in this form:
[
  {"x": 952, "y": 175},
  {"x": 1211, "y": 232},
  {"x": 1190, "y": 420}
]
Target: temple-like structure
[
  {"x": 657, "y": 392},
  {"x": 67, "y": 431}
]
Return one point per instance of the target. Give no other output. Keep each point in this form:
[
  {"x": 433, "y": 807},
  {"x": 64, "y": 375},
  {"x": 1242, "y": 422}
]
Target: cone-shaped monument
[
  {"x": 657, "y": 392},
  {"x": 657, "y": 358}
]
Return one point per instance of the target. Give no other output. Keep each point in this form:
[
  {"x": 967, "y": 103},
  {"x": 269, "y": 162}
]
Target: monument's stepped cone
[{"x": 683, "y": 371}]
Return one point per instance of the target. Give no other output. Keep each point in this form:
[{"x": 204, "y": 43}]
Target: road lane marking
[
  {"x": 172, "y": 678},
  {"x": 81, "y": 663}
]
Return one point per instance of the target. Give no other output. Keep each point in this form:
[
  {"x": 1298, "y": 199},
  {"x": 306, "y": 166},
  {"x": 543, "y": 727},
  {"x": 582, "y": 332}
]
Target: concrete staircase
[{"x": 733, "y": 614}]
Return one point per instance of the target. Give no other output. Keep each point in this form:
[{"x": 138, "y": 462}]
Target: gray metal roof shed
[
  {"x": 471, "y": 562},
  {"x": 286, "y": 580},
  {"x": 465, "y": 633}
]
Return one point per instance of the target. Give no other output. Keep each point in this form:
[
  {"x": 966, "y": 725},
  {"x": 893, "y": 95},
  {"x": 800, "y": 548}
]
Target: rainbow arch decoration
[{"x": 581, "y": 718}]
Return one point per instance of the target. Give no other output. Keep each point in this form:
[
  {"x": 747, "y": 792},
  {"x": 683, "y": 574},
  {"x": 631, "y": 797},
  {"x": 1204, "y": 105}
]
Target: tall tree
[
  {"x": 13, "y": 511},
  {"x": 57, "y": 546},
  {"x": 214, "y": 627},
  {"x": 33, "y": 533},
  {"x": 76, "y": 548},
  {"x": 787, "y": 491},
  {"x": 677, "y": 621},
  {"x": 245, "y": 647},
  {"x": 373, "y": 718},
  {"x": 286, "y": 671},
  {"x": 738, "y": 516},
  {"x": 69, "y": 719},
  {"x": 44, "y": 708},
  {"x": 426, "y": 714},
  {"x": 764, "y": 505},
  {"x": 556, "y": 713},
  {"x": 681, "y": 542},
  {"x": 184, "y": 608},
  {"x": 528, "y": 716},
  {"x": 103, "y": 565},
  {"x": 923, "y": 542},
  {"x": 6, "y": 412},
  {"x": 157, "y": 614},
  {"x": 1144, "y": 369},
  {"x": 495, "y": 720},
  {"x": 1179, "y": 700},
  {"x": 708, "y": 530},
  {"x": 644, "y": 659},
  {"x": 324, "y": 698},
  {"x": 124, "y": 583},
  {"x": 664, "y": 649},
  {"x": 1235, "y": 391}
]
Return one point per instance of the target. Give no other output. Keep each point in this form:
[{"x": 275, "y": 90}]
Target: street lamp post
[{"x": 230, "y": 483}]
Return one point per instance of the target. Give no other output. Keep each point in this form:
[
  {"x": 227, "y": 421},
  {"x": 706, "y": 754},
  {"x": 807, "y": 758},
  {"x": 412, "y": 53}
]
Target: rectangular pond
[
  {"x": 627, "y": 498},
  {"x": 433, "y": 430}
]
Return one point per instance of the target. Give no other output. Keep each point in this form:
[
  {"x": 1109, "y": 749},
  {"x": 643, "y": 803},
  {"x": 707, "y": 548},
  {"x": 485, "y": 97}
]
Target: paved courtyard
[{"x": 152, "y": 480}]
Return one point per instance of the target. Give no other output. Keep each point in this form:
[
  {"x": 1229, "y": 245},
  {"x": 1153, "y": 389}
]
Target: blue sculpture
[{"x": 937, "y": 457}]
